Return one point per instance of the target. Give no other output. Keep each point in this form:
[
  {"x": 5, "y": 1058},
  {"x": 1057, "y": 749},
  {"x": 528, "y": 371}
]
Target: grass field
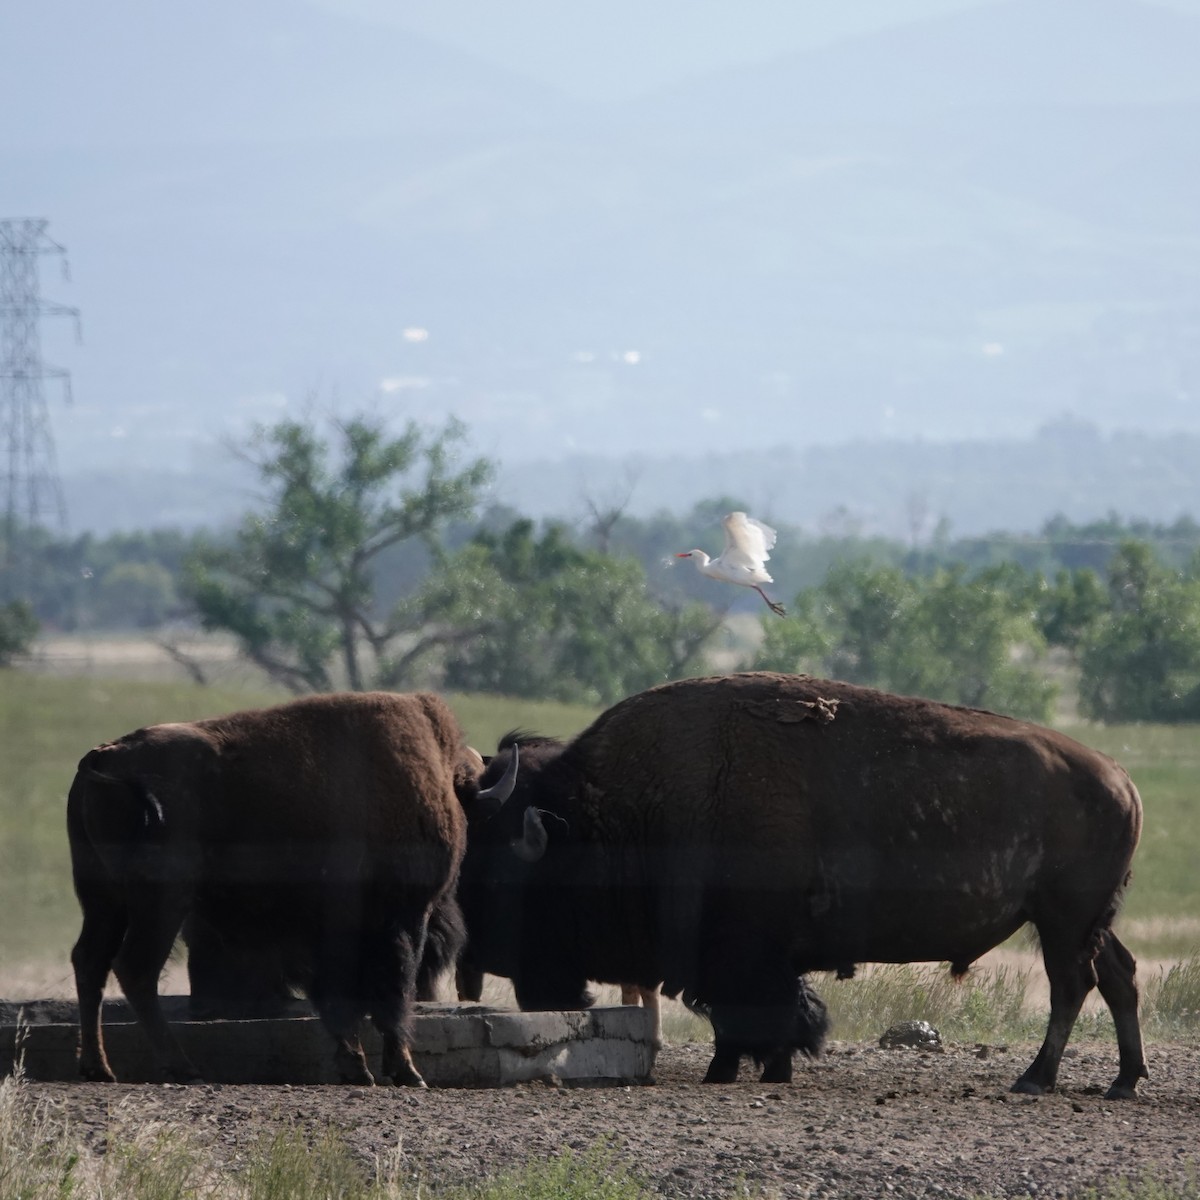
[{"x": 48, "y": 722}]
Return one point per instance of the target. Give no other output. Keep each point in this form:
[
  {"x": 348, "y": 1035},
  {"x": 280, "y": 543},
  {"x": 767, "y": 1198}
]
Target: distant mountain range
[
  {"x": 897, "y": 489},
  {"x": 952, "y": 231}
]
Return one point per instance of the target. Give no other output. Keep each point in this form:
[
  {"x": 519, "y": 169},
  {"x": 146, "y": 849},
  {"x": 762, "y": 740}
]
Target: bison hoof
[
  {"x": 414, "y": 1081},
  {"x": 721, "y": 1072},
  {"x": 408, "y": 1076},
  {"x": 1028, "y": 1087},
  {"x": 1122, "y": 1091},
  {"x": 97, "y": 1075},
  {"x": 182, "y": 1073}
]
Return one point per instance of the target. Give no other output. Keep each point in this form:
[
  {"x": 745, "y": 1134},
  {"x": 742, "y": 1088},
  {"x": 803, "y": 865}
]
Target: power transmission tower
[{"x": 32, "y": 492}]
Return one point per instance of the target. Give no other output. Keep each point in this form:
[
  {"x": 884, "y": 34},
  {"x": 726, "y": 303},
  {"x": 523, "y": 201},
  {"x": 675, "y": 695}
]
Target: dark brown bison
[
  {"x": 728, "y": 835},
  {"x": 230, "y": 981},
  {"x": 318, "y": 837}
]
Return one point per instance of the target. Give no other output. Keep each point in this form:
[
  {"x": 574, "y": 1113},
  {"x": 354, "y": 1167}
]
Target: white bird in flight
[{"x": 748, "y": 545}]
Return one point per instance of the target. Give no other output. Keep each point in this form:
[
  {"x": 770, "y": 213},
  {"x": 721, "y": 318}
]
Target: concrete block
[{"x": 464, "y": 1045}]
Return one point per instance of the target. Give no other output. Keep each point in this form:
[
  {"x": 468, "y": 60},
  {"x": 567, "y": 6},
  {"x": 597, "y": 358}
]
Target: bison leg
[
  {"x": 349, "y": 1059},
  {"x": 783, "y": 1015},
  {"x": 1115, "y": 971},
  {"x": 393, "y": 986},
  {"x": 341, "y": 1015},
  {"x": 154, "y": 922},
  {"x": 397, "y": 1062},
  {"x": 725, "y": 1062},
  {"x": 1072, "y": 975},
  {"x": 468, "y": 981},
  {"x": 92, "y": 957},
  {"x": 379, "y": 977}
]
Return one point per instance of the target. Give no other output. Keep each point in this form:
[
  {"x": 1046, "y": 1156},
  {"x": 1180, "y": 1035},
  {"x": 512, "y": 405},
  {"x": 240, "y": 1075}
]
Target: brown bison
[
  {"x": 728, "y": 835},
  {"x": 319, "y": 837}
]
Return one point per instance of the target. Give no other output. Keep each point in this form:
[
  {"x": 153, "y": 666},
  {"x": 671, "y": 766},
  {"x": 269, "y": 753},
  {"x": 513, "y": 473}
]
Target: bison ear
[
  {"x": 532, "y": 843},
  {"x": 531, "y": 846}
]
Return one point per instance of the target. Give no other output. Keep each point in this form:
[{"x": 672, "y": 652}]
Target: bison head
[{"x": 511, "y": 880}]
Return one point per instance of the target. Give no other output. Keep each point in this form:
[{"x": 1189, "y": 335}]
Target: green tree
[
  {"x": 973, "y": 641},
  {"x": 844, "y": 627},
  {"x": 18, "y": 628},
  {"x": 947, "y": 636},
  {"x": 534, "y": 616},
  {"x": 1070, "y": 608},
  {"x": 1141, "y": 662},
  {"x": 134, "y": 595},
  {"x": 295, "y": 585}
]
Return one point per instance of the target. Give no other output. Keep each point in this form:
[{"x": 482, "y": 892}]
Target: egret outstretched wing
[{"x": 748, "y": 542}]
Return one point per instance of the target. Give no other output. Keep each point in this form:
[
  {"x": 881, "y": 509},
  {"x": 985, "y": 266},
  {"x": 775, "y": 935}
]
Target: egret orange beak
[{"x": 684, "y": 554}]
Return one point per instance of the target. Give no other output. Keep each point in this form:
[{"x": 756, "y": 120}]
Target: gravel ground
[{"x": 860, "y": 1122}]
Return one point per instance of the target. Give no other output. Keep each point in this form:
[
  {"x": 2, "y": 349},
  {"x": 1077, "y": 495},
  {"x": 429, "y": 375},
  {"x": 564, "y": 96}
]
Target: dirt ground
[{"x": 860, "y": 1122}]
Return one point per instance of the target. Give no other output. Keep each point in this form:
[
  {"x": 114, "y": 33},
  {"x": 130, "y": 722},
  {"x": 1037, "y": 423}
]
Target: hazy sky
[
  {"x": 254, "y": 215},
  {"x": 612, "y": 49}
]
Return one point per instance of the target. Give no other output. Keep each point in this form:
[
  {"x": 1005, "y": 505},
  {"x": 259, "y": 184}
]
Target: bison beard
[
  {"x": 728, "y": 836},
  {"x": 318, "y": 840}
]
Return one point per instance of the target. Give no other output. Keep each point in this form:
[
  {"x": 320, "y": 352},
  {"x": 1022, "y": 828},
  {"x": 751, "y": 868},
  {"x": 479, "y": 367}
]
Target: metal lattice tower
[{"x": 28, "y": 474}]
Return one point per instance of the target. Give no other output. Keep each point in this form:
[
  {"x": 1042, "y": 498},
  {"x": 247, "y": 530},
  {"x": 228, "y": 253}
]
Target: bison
[
  {"x": 231, "y": 982},
  {"x": 729, "y": 835},
  {"x": 319, "y": 837}
]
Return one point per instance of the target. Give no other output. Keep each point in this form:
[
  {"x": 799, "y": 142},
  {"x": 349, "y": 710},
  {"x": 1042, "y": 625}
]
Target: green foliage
[
  {"x": 1146, "y": 1187},
  {"x": 296, "y": 585},
  {"x": 43, "y": 1158},
  {"x": 1141, "y": 659},
  {"x": 984, "y": 1005},
  {"x": 290, "y": 1167},
  {"x": 1171, "y": 1000},
  {"x": 38, "y": 1161},
  {"x": 530, "y": 616},
  {"x": 596, "y": 1174},
  {"x": 970, "y": 641},
  {"x": 18, "y": 628},
  {"x": 66, "y": 577},
  {"x": 135, "y": 595},
  {"x": 1071, "y": 607}
]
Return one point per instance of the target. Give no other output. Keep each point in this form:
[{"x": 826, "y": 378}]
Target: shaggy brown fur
[
  {"x": 321, "y": 834},
  {"x": 728, "y": 835}
]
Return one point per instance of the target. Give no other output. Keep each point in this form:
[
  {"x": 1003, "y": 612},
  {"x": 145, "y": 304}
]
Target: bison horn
[
  {"x": 533, "y": 844},
  {"x": 500, "y": 791}
]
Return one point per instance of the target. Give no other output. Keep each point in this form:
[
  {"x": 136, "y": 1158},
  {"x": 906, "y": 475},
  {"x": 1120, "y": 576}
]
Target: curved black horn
[
  {"x": 500, "y": 791},
  {"x": 533, "y": 844}
]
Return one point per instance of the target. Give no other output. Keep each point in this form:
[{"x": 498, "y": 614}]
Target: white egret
[{"x": 748, "y": 545}]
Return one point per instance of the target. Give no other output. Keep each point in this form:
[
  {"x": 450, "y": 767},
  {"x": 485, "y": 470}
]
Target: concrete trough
[{"x": 455, "y": 1045}]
